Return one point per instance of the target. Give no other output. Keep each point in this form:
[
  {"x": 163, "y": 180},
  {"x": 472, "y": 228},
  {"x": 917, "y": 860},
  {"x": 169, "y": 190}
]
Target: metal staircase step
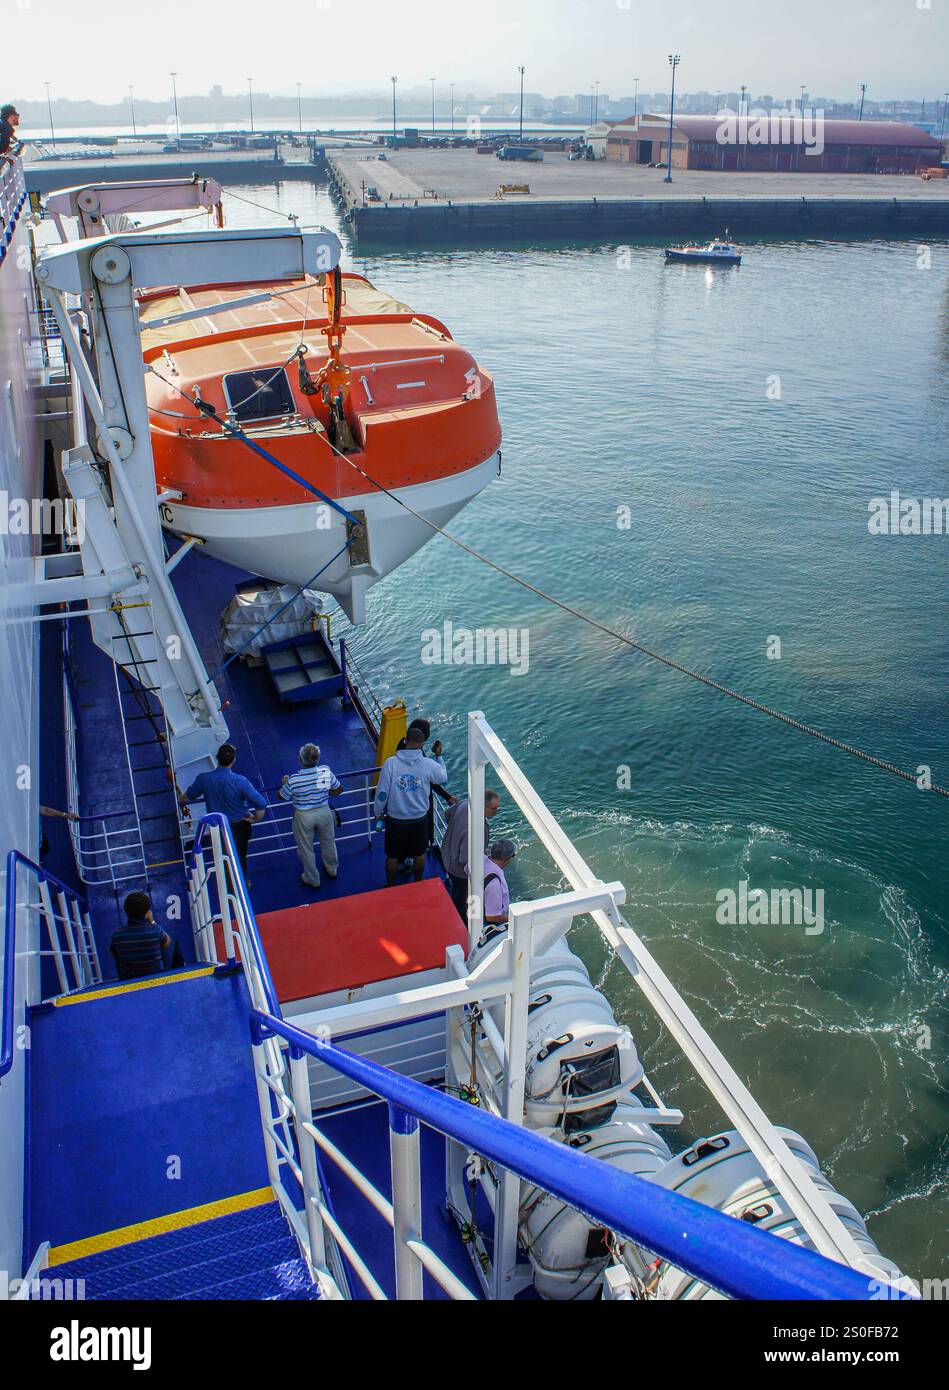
[{"x": 244, "y": 1254}]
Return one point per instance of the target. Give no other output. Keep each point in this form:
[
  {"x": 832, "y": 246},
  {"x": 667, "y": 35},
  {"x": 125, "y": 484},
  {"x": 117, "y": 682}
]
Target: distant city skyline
[
  {"x": 898, "y": 47},
  {"x": 415, "y": 107}
]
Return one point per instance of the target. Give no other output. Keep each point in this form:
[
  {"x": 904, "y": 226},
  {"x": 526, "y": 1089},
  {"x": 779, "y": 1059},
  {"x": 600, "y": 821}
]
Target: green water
[{"x": 623, "y": 383}]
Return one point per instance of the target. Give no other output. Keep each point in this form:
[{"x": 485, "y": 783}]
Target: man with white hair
[{"x": 310, "y": 790}]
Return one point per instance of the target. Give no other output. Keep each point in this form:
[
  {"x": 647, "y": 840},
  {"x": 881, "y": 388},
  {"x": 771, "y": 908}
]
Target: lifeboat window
[{"x": 259, "y": 395}]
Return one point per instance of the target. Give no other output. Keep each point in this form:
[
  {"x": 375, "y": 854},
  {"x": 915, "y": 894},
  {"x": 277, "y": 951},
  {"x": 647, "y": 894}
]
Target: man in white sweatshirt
[{"x": 402, "y": 795}]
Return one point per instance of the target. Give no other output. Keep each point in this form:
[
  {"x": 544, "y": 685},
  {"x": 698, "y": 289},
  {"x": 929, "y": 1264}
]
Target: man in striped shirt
[{"x": 310, "y": 790}]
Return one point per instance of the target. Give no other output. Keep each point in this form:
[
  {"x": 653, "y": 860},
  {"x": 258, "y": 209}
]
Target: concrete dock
[
  {"x": 433, "y": 196},
  {"x": 437, "y": 196}
]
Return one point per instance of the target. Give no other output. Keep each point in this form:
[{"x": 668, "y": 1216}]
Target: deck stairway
[
  {"x": 150, "y": 770},
  {"x": 244, "y": 1253},
  {"x": 175, "y": 1152}
]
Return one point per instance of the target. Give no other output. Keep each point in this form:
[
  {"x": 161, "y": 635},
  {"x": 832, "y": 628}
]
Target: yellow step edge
[
  {"x": 158, "y": 1226},
  {"x": 130, "y": 986}
]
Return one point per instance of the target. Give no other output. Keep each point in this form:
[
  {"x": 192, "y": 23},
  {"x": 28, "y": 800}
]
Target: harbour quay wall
[
  {"x": 488, "y": 221},
  {"x": 45, "y": 176}
]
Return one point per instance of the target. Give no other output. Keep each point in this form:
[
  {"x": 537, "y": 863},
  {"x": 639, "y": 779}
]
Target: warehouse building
[{"x": 779, "y": 141}]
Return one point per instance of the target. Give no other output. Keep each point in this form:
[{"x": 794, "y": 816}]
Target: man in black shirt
[
  {"x": 141, "y": 947},
  {"x": 9, "y": 120}
]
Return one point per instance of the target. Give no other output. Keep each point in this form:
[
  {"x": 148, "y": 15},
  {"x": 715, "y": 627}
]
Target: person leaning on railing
[
  {"x": 224, "y": 790},
  {"x": 402, "y": 797},
  {"x": 442, "y": 792},
  {"x": 9, "y": 120}
]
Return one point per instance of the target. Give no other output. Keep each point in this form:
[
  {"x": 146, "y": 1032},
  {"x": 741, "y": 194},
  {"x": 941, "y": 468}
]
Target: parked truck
[{"x": 528, "y": 152}]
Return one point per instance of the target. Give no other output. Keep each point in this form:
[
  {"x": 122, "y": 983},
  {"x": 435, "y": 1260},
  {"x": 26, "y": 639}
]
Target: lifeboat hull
[{"x": 297, "y": 544}]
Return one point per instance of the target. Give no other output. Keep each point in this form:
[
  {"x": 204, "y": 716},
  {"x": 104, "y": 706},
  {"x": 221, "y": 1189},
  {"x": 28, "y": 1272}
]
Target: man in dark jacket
[{"x": 9, "y": 120}]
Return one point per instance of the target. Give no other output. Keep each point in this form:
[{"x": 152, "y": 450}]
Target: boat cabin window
[{"x": 259, "y": 395}]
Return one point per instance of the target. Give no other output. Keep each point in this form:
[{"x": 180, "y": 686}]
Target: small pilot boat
[{"x": 715, "y": 253}]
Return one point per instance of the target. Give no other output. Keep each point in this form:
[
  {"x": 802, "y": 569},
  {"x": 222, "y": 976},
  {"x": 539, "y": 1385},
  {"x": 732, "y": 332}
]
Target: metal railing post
[
  {"x": 72, "y": 946},
  {"x": 475, "y": 832},
  {"x": 265, "y": 1100},
  {"x": 223, "y": 897},
  {"x": 53, "y": 932},
  {"x": 90, "y": 938},
  {"x": 512, "y": 1095},
  {"x": 306, "y": 1146},
  {"x": 406, "y": 1200}
]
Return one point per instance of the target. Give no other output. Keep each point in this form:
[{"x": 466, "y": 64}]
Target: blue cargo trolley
[{"x": 304, "y": 667}]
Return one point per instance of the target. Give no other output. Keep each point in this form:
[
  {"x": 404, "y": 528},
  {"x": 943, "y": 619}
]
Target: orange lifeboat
[{"x": 296, "y": 459}]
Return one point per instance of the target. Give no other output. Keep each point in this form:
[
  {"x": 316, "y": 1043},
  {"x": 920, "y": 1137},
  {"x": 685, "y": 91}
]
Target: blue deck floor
[
  {"x": 267, "y": 735},
  {"x": 141, "y": 1104},
  {"x": 132, "y": 1088}
]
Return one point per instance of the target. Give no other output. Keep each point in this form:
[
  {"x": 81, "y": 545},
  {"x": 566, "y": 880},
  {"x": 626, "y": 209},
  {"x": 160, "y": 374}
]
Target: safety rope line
[{"x": 882, "y": 763}]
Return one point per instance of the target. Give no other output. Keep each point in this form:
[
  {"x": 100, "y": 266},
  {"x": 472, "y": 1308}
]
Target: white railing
[
  {"x": 821, "y": 1223},
  {"x": 63, "y": 914},
  {"x": 292, "y": 1141},
  {"x": 12, "y": 199},
  {"x": 711, "y": 1245}
]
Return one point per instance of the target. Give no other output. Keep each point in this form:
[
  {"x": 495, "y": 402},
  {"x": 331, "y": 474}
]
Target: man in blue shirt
[
  {"x": 402, "y": 796},
  {"x": 227, "y": 791}
]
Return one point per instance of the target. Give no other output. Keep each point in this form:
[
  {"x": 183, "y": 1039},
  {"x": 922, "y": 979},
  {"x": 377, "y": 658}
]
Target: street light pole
[
  {"x": 521, "y": 125},
  {"x": 300, "y": 106},
  {"x": 596, "y": 101},
  {"x": 394, "y": 81},
  {"x": 863, "y": 97},
  {"x": 636, "y": 98},
  {"x": 250, "y": 93},
  {"x": 132, "y": 105},
  {"x": 803, "y": 90},
  {"x": 741, "y": 104},
  {"x": 674, "y": 61},
  {"x": 174, "y": 93},
  {"x": 49, "y": 107}
]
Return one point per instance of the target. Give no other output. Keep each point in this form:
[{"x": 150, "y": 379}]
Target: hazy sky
[{"x": 95, "y": 49}]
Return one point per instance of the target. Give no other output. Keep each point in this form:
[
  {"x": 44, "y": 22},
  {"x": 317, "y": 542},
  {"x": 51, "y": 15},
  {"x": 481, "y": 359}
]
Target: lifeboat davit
[{"x": 397, "y": 413}]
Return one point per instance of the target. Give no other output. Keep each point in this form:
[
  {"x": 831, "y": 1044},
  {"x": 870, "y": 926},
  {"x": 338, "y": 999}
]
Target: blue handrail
[
  {"x": 738, "y": 1259},
  {"x": 14, "y": 859},
  {"x": 215, "y": 818}
]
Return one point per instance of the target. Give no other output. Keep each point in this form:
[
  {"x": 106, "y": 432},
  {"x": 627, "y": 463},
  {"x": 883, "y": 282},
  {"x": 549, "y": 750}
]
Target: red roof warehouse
[{"x": 781, "y": 141}]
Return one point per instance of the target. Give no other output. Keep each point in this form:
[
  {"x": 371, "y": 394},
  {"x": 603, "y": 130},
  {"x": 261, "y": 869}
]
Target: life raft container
[
  {"x": 723, "y": 1173},
  {"x": 567, "y": 1252}
]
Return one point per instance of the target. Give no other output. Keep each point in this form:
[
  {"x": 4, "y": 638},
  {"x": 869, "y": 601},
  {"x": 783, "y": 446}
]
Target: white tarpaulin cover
[{"x": 249, "y": 610}]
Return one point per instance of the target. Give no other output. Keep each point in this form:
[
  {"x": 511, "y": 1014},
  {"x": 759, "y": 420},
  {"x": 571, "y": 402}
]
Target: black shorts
[{"x": 406, "y": 839}]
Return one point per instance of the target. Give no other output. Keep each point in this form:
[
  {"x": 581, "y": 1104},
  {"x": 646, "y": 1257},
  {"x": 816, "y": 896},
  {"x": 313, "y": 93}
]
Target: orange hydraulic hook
[{"x": 334, "y": 375}]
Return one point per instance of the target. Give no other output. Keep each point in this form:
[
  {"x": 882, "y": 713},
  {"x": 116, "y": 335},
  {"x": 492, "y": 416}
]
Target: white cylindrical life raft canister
[
  {"x": 578, "y": 1058},
  {"x": 722, "y": 1172},
  {"x": 568, "y": 1253}
]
